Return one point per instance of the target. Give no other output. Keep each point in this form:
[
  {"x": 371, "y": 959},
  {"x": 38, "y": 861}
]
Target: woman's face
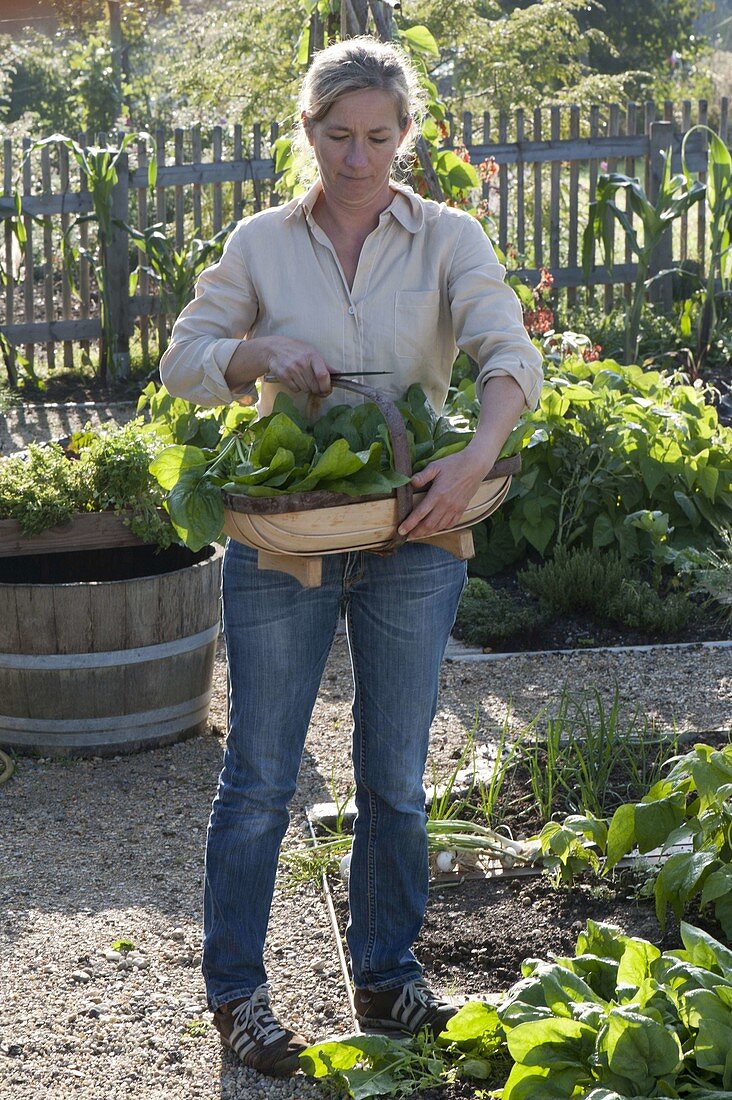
[{"x": 355, "y": 145}]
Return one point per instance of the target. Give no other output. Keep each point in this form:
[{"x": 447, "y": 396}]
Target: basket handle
[
  {"x": 399, "y": 445},
  {"x": 504, "y": 467}
]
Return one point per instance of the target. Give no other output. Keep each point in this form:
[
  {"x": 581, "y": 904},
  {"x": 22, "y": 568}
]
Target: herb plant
[
  {"x": 608, "y": 589},
  {"x": 41, "y": 490},
  {"x": 491, "y": 618},
  {"x": 101, "y": 470}
]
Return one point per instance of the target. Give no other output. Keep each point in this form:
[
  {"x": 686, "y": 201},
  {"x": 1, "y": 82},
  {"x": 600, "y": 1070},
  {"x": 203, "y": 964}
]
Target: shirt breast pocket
[{"x": 416, "y": 318}]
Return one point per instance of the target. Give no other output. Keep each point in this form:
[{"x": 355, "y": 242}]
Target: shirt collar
[{"x": 405, "y": 206}]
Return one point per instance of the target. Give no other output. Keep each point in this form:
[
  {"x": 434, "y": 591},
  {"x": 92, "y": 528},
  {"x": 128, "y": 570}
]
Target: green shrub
[
  {"x": 638, "y": 606},
  {"x": 606, "y": 588},
  {"x": 576, "y": 581},
  {"x": 492, "y": 618},
  {"x": 615, "y": 457}
]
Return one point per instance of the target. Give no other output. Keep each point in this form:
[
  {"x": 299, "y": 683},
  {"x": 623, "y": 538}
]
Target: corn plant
[
  {"x": 676, "y": 195},
  {"x": 719, "y": 262},
  {"x": 11, "y": 212},
  {"x": 99, "y": 165},
  {"x": 176, "y": 270}
]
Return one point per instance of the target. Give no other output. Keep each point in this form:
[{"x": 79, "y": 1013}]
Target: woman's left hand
[
  {"x": 451, "y": 482},
  {"x": 454, "y": 481}
]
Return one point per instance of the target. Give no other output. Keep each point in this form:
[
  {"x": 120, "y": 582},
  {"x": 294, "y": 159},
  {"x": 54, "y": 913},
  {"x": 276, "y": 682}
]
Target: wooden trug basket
[{"x": 292, "y": 533}]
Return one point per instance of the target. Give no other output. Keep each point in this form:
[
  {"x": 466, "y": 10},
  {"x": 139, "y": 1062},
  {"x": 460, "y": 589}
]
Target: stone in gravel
[{"x": 81, "y": 976}]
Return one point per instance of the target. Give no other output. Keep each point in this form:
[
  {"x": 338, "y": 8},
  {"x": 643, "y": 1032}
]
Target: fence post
[
  {"x": 661, "y": 291},
  {"x": 118, "y": 273}
]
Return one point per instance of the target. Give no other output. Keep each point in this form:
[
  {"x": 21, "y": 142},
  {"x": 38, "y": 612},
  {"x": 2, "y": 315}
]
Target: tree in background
[
  {"x": 515, "y": 54},
  {"x": 235, "y": 61},
  {"x": 232, "y": 62},
  {"x": 659, "y": 38},
  {"x": 78, "y": 16},
  {"x": 660, "y": 42}
]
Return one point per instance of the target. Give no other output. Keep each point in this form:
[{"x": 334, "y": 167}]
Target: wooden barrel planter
[{"x": 106, "y": 651}]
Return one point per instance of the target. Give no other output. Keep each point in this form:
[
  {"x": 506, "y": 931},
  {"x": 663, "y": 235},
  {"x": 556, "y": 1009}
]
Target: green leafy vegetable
[{"x": 346, "y": 451}]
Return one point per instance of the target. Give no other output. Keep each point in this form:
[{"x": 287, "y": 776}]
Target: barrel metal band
[
  {"x": 173, "y": 717},
  {"x": 116, "y": 657}
]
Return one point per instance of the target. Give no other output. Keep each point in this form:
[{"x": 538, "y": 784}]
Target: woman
[{"x": 359, "y": 274}]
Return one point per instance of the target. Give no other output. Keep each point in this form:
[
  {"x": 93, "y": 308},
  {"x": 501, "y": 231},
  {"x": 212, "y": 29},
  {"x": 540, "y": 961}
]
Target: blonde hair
[{"x": 354, "y": 65}]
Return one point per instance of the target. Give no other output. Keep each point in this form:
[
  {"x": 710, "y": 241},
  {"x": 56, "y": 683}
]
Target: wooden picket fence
[{"x": 540, "y": 171}]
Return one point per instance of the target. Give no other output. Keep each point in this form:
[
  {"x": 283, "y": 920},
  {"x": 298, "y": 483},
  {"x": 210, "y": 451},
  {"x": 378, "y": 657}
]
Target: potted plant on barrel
[{"x": 108, "y": 624}]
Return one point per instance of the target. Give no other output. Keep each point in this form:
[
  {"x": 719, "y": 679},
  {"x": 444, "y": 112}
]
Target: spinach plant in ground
[
  {"x": 347, "y": 451},
  {"x": 690, "y": 806},
  {"x": 613, "y": 457},
  {"x": 621, "y": 1021},
  {"x": 361, "y": 1066},
  {"x": 676, "y": 195}
]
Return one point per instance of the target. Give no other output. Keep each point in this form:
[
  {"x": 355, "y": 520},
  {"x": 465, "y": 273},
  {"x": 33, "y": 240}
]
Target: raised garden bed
[
  {"x": 578, "y": 631},
  {"x": 86, "y": 531},
  {"x": 479, "y": 931}
]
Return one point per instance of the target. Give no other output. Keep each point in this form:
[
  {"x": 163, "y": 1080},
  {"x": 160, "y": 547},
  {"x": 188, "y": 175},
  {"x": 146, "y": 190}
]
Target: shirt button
[{"x": 351, "y": 310}]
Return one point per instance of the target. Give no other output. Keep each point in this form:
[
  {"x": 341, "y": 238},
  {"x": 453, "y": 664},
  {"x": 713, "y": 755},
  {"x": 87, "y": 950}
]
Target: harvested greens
[{"x": 348, "y": 450}]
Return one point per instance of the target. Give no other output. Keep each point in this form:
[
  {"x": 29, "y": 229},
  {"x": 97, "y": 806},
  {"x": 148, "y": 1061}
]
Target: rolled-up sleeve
[
  {"x": 209, "y": 330},
  {"x": 487, "y": 318}
]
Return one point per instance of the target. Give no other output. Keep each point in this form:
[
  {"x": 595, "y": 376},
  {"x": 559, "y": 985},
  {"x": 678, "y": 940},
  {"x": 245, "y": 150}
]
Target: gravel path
[
  {"x": 101, "y": 850},
  {"x": 22, "y": 424}
]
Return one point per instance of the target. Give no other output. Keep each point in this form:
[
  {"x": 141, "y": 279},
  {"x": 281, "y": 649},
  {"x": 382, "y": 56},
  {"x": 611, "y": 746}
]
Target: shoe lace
[
  {"x": 255, "y": 1015},
  {"x": 418, "y": 992}
]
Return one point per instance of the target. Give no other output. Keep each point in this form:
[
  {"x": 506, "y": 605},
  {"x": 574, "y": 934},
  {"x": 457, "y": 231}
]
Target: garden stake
[{"x": 337, "y": 935}]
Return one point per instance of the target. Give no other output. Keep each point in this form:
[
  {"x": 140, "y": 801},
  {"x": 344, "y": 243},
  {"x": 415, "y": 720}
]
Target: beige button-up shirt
[{"x": 428, "y": 282}]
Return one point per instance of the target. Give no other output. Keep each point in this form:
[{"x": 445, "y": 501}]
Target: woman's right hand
[
  {"x": 293, "y": 363},
  {"x": 297, "y": 365}
]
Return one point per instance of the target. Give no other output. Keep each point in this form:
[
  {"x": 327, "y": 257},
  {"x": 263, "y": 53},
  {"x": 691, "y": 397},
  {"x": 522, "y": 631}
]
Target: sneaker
[
  {"x": 402, "y": 1011},
  {"x": 250, "y": 1029}
]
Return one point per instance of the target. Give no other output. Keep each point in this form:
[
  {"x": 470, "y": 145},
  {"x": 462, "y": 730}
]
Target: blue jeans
[{"x": 400, "y": 609}]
